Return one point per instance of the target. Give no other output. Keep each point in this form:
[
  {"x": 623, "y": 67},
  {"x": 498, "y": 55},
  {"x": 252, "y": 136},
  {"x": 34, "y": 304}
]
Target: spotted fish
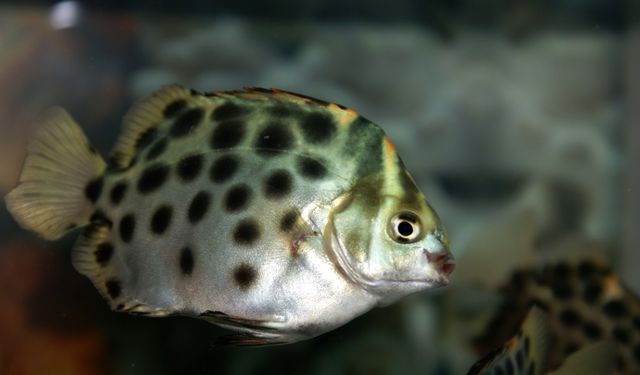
[
  {"x": 585, "y": 303},
  {"x": 527, "y": 352},
  {"x": 273, "y": 214}
]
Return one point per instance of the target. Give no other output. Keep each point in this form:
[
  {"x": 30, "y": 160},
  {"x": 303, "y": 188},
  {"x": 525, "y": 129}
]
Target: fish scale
[{"x": 273, "y": 214}]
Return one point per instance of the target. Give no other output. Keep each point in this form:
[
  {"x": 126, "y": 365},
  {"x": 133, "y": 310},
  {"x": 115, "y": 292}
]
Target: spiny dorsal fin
[
  {"x": 147, "y": 114},
  {"x": 343, "y": 114},
  {"x": 595, "y": 359},
  {"x": 61, "y": 177}
]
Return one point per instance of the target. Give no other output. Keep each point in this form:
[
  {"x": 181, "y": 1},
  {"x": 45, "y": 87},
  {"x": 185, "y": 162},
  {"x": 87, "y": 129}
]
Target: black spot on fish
[
  {"x": 244, "y": 276},
  {"x": 592, "y": 331},
  {"x": 527, "y": 345},
  {"x": 93, "y": 189},
  {"x": 228, "y": 134},
  {"x": 569, "y": 317},
  {"x": 570, "y": 348},
  {"x": 174, "y": 107},
  {"x": 161, "y": 219},
  {"x": 237, "y": 197},
  {"x": 228, "y": 111},
  {"x": 621, "y": 364},
  {"x": 157, "y": 149},
  {"x": 224, "y": 168},
  {"x": 152, "y": 178},
  {"x": 498, "y": 369},
  {"x": 510, "y": 370},
  {"x": 532, "y": 368},
  {"x": 189, "y": 167},
  {"x": 520, "y": 360},
  {"x": 592, "y": 292},
  {"x": 186, "y": 261},
  {"x": 278, "y": 184},
  {"x": 281, "y": 110},
  {"x": 146, "y": 138},
  {"x": 636, "y": 322},
  {"x": 311, "y": 168},
  {"x": 273, "y": 140},
  {"x": 586, "y": 269},
  {"x": 562, "y": 289},
  {"x": 117, "y": 192},
  {"x": 103, "y": 253},
  {"x": 636, "y": 352},
  {"x": 366, "y": 136},
  {"x": 519, "y": 280},
  {"x": 198, "y": 207},
  {"x": 187, "y": 122},
  {"x": 562, "y": 271},
  {"x": 246, "y": 232},
  {"x": 127, "y": 227},
  {"x": 318, "y": 127},
  {"x": 615, "y": 309},
  {"x": 288, "y": 220},
  {"x": 621, "y": 335},
  {"x": 113, "y": 288}
]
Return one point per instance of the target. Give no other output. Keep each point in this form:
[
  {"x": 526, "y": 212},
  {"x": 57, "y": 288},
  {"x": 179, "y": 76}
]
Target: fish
[
  {"x": 527, "y": 352},
  {"x": 270, "y": 213},
  {"x": 585, "y": 302}
]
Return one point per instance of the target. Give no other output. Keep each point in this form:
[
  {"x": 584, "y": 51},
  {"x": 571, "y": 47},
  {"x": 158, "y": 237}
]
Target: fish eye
[{"x": 405, "y": 227}]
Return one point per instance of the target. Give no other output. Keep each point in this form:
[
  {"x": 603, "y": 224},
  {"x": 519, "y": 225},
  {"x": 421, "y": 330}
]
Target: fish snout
[{"x": 443, "y": 262}]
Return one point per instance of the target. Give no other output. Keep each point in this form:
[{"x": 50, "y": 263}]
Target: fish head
[{"x": 390, "y": 241}]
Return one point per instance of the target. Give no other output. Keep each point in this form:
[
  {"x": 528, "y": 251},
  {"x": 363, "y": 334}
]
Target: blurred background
[{"x": 518, "y": 119}]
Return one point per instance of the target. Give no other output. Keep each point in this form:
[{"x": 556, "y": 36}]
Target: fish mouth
[{"x": 441, "y": 262}]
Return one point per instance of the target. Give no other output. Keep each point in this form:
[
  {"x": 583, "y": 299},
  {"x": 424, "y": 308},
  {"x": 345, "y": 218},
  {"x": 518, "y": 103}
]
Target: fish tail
[{"x": 61, "y": 178}]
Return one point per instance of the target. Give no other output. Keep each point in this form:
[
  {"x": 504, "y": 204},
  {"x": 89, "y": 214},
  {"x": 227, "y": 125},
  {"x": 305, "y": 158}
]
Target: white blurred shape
[{"x": 65, "y": 14}]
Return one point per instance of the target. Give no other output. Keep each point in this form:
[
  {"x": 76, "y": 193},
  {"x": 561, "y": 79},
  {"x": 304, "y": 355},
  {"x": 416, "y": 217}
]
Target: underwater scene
[{"x": 321, "y": 187}]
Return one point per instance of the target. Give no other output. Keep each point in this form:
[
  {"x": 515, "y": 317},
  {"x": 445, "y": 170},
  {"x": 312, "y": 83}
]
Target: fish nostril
[{"x": 436, "y": 257}]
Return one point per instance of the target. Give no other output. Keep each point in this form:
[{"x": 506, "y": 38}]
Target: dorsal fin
[
  {"x": 343, "y": 114},
  {"x": 145, "y": 115},
  {"x": 260, "y": 93}
]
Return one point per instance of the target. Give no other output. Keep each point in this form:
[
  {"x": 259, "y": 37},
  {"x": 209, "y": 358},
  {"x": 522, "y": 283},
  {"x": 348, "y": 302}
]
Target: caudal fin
[{"x": 60, "y": 179}]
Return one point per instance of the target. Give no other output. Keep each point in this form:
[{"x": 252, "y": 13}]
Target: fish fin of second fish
[
  {"x": 536, "y": 329},
  {"x": 143, "y": 117},
  {"x": 529, "y": 347},
  {"x": 595, "y": 359},
  {"x": 60, "y": 180}
]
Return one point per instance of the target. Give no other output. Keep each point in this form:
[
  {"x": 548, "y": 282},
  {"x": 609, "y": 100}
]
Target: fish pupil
[{"x": 405, "y": 228}]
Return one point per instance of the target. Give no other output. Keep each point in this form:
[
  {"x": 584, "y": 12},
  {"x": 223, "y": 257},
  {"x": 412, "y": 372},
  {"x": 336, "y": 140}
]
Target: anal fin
[{"x": 93, "y": 256}]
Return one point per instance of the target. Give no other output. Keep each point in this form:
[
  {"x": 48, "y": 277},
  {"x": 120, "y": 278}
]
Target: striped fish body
[{"x": 270, "y": 213}]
